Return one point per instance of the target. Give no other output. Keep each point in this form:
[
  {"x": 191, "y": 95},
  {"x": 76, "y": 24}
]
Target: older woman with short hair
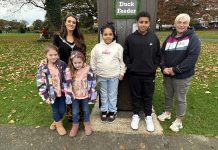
[{"x": 180, "y": 52}]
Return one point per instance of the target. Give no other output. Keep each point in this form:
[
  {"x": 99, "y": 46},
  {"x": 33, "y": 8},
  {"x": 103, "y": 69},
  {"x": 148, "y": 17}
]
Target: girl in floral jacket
[
  {"x": 79, "y": 89},
  {"x": 50, "y": 79}
]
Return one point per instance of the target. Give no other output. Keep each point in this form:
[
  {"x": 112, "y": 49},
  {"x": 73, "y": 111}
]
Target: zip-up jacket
[
  {"x": 142, "y": 54},
  {"x": 81, "y": 86},
  {"x": 181, "y": 53},
  {"x": 44, "y": 81}
]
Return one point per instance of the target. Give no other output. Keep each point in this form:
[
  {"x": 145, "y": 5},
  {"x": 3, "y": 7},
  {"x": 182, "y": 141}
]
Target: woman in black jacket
[{"x": 67, "y": 40}]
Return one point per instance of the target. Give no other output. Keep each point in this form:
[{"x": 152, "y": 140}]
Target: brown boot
[
  {"x": 88, "y": 129},
  {"x": 60, "y": 128},
  {"x": 74, "y": 130},
  {"x": 53, "y": 126}
]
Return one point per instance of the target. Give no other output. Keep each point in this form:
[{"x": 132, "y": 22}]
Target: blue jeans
[
  {"x": 58, "y": 108},
  {"x": 108, "y": 92},
  {"x": 75, "y": 112}
]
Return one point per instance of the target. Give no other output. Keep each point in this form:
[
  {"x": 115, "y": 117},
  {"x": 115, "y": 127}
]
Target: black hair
[
  {"x": 143, "y": 14},
  {"x": 110, "y": 26}
]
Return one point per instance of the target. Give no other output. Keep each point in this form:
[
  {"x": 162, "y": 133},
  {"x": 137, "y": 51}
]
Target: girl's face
[
  {"x": 143, "y": 24},
  {"x": 70, "y": 23},
  {"x": 77, "y": 63},
  {"x": 107, "y": 35},
  {"x": 52, "y": 56}
]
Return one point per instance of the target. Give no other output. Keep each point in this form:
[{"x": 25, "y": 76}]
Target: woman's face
[
  {"x": 70, "y": 23},
  {"x": 181, "y": 26}
]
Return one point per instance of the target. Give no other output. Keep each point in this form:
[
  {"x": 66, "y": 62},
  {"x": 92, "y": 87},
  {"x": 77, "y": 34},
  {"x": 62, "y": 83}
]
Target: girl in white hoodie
[{"x": 107, "y": 63}]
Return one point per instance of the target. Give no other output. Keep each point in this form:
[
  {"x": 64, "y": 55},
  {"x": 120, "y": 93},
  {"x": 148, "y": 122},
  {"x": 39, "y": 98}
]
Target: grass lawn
[{"x": 21, "y": 105}]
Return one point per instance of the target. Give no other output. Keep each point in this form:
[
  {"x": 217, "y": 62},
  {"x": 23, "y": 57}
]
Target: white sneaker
[
  {"x": 164, "y": 116},
  {"x": 176, "y": 125},
  {"x": 135, "y": 122},
  {"x": 149, "y": 123}
]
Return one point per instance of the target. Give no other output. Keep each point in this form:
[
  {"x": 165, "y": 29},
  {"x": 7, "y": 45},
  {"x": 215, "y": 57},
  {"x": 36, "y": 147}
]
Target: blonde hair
[
  {"x": 49, "y": 47},
  {"x": 183, "y": 16}
]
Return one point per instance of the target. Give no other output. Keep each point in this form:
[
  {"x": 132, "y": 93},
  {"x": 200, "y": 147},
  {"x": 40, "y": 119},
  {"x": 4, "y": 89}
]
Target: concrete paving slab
[
  {"x": 122, "y": 123},
  {"x": 14, "y": 137}
]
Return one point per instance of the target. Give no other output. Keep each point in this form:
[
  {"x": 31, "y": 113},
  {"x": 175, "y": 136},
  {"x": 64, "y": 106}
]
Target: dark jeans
[
  {"x": 58, "y": 108},
  {"x": 142, "y": 90},
  {"x": 76, "y": 109}
]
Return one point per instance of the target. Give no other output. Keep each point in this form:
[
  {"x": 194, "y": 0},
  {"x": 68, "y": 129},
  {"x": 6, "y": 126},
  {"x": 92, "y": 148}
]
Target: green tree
[
  {"x": 87, "y": 9},
  {"x": 21, "y": 28},
  {"x": 37, "y": 24},
  {"x": 53, "y": 14},
  {"x": 52, "y": 8},
  {"x": 56, "y": 8},
  {"x": 2, "y": 24}
]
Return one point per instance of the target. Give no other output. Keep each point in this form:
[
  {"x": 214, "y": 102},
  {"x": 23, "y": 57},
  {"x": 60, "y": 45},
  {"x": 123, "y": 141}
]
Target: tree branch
[
  {"x": 35, "y": 4},
  {"x": 30, "y": 2}
]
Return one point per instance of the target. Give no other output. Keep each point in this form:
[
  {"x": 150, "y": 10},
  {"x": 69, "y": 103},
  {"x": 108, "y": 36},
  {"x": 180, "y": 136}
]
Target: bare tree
[{"x": 52, "y": 8}]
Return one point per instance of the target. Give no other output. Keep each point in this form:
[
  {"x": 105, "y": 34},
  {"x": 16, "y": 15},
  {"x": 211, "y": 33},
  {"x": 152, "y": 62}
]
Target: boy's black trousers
[{"x": 142, "y": 90}]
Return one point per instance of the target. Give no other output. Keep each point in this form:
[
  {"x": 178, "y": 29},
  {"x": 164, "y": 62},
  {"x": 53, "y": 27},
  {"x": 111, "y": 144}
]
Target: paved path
[
  {"x": 116, "y": 136},
  {"x": 31, "y": 138}
]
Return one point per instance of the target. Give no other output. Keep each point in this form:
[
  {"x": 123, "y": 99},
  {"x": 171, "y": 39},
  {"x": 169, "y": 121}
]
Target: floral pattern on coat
[
  {"x": 90, "y": 85},
  {"x": 44, "y": 81}
]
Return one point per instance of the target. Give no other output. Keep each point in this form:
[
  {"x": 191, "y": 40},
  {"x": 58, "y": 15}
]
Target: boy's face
[{"x": 143, "y": 24}]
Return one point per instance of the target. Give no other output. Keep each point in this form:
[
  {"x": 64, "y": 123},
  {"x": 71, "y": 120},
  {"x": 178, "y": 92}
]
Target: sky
[{"x": 29, "y": 14}]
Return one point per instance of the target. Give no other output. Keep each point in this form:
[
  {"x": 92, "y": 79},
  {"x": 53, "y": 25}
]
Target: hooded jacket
[
  {"x": 142, "y": 54},
  {"x": 181, "y": 53},
  {"x": 107, "y": 60}
]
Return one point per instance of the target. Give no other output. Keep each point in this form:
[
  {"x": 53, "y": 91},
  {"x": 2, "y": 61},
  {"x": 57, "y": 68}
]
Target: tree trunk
[{"x": 53, "y": 14}]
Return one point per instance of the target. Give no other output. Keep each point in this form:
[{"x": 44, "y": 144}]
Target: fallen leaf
[
  {"x": 122, "y": 147},
  {"x": 11, "y": 122},
  {"x": 9, "y": 116},
  {"x": 207, "y": 92},
  {"x": 13, "y": 111},
  {"x": 142, "y": 146}
]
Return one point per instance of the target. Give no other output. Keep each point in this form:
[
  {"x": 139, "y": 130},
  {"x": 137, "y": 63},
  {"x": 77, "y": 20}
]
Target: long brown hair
[
  {"x": 78, "y": 36},
  {"x": 75, "y": 54}
]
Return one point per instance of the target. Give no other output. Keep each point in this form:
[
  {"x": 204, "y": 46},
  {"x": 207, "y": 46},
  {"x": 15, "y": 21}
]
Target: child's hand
[
  {"x": 48, "y": 101},
  {"x": 43, "y": 62},
  {"x": 120, "y": 77}
]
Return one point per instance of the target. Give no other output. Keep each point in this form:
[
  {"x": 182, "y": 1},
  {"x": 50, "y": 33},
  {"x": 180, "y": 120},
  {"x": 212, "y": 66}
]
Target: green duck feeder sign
[{"x": 125, "y": 9}]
